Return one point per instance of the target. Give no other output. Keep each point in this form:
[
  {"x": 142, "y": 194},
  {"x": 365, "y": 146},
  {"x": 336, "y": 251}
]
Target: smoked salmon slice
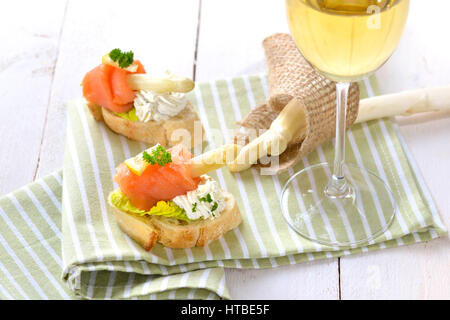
[
  {"x": 158, "y": 182},
  {"x": 107, "y": 86}
]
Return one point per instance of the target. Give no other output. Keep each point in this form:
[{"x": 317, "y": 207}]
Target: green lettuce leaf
[
  {"x": 162, "y": 208},
  {"x": 130, "y": 115}
]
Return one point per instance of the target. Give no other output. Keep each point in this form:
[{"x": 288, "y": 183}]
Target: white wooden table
[{"x": 48, "y": 45}]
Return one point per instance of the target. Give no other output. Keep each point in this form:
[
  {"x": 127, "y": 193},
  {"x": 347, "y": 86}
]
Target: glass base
[{"x": 359, "y": 216}]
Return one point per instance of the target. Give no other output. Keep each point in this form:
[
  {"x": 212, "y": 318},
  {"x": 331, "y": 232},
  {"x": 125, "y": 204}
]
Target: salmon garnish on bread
[
  {"x": 166, "y": 196},
  {"x": 140, "y": 107}
]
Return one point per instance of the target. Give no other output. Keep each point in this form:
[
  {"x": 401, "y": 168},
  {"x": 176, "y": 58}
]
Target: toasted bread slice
[
  {"x": 137, "y": 227},
  {"x": 174, "y": 233},
  {"x": 185, "y": 128}
]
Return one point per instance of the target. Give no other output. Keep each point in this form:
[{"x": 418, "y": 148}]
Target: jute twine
[{"x": 289, "y": 75}]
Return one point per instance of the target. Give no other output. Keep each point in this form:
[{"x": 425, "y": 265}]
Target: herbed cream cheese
[
  {"x": 151, "y": 105},
  {"x": 207, "y": 201}
]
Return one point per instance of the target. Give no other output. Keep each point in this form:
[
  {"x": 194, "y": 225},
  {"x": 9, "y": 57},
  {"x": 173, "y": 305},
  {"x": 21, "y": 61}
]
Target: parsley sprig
[
  {"x": 124, "y": 59},
  {"x": 159, "y": 155}
]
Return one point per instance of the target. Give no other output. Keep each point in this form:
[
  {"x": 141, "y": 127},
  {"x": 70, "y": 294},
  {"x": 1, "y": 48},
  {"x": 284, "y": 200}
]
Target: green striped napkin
[
  {"x": 31, "y": 263},
  {"x": 99, "y": 261}
]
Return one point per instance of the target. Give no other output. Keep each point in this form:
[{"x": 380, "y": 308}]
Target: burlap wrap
[{"x": 289, "y": 75}]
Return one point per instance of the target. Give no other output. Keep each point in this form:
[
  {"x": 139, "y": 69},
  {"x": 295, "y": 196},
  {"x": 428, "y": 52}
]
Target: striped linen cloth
[
  {"x": 30, "y": 254},
  {"x": 98, "y": 261}
]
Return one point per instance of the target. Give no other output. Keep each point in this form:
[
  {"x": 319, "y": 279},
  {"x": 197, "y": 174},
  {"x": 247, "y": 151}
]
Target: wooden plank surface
[
  {"x": 44, "y": 69},
  {"x": 27, "y": 61},
  {"x": 419, "y": 271}
]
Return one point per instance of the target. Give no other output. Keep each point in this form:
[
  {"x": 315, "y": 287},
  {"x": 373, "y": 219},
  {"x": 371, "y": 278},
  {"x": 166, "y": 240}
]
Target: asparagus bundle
[{"x": 290, "y": 125}]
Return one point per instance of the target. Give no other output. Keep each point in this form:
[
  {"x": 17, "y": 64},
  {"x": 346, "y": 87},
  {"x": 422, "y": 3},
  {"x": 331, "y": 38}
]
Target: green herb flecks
[
  {"x": 194, "y": 207},
  {"x": 207, "y": 198},
  {"x": 124, "y": 59},
  {"x": 215, "y": 206},
  {"x": 159, "y": 156}
]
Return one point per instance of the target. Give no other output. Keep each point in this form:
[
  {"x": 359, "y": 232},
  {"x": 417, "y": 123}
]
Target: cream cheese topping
[
  {"x": 197, "y": 204},
  {"x": 151, "y": 105}
]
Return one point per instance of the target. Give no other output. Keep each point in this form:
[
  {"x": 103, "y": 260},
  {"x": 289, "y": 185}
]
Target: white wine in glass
[{"x": 344, "y": 40}]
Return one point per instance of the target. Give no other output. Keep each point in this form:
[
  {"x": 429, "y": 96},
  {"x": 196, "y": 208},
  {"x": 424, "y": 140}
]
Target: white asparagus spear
[
  {"x": 169, "y": 84},
  {"x": 404, "y": 103},
  {"x": 275, "y": 140},
  {"x": 143, "y": 81},
  {"x": 213, "y": 159},
  {"x": 291, "y": 121}
]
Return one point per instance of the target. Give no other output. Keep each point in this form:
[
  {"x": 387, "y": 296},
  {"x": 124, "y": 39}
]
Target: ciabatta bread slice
[
  {"x": 185, "y": 127},
  {"x": 174, "y": 233},
  {"x": 139, "y": 228}
]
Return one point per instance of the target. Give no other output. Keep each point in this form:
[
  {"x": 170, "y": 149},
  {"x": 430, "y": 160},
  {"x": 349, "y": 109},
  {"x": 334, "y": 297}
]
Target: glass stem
[{"x": 338, "y": 186}]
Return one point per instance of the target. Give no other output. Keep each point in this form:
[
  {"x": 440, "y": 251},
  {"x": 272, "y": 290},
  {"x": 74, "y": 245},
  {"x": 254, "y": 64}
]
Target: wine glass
[{"x": 340, "y": 204}]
